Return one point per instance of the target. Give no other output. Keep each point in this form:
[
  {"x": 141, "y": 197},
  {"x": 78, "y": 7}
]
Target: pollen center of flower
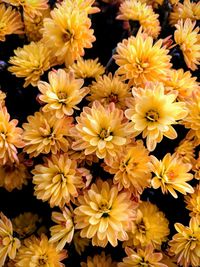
[
  {"x": 66, "y": 36},
  {"x": 113, "y": 98},
  {"x": 104, "y": 134},
  {"x": 104, "y": 207},
  {"x": 62, "y": 95},
  {"x": 140, "y": 66},
  {"x": 152, "y": 115},
  {"x": 42, "y": 261},
  {"x": 141, "y": 227}
]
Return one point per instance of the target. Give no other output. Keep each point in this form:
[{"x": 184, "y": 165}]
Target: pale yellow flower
[{"x": 86, "y": 5}]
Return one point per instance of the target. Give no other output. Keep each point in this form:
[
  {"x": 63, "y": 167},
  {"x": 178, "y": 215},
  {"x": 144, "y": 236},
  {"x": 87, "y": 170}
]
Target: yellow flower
[
  {"x": 39, "y": 252},
  {"x": 10, "y": 22},
  {"x": 140, "y": 60},
  {"x": 30, "y": 62},
  {"x": 185, "y": 245},
  {"x": 101, "y": 260},
  {"x": 67, "y": 33},
  {"x": 150, "y": 227},
  {"x": 193, "y": 202},
  {"x": 56, "y": 180},
  {"x": 181, "y": 81},
  {"x": 191, "y": 121},
  {"x": 130, "y": 168},
  {"x": 25, "y": 224},
  {"x": 154, "y": 112},
  {"x": 187, "y": 9},
  {"x": 62, "y": 93},
  {"x": 104, "y": 214},
  {"x": 2, "y": 98},
  {"x": 44, "y": 133},
  {"x": 89, "y": 68},
  {"x": 14, "y": 174},
  {"x": 33, "y": 25},
  {"x": 171, "y": 174},
  {"x": 142, "y": 257},
  {"x": 85, "y": 5},
  {"x": 134, "y": 10},
  {"x": 80, "y": 243},
  {"x": 10, "y": 138},
  {"x": 64, "y": 230},
  {"x": 101, "y": 130},
  {"x": 186, "y": 151},
  {"x": 108, "y": 89},
  {"x": 188, "y": 39},
  {"x": 8, "y": 243}
]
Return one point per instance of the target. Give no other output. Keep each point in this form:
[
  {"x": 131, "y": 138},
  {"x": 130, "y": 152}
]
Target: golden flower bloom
[
  {"x": 56, "y": 180},
  {"x": 171, "y": 174},
  {"x": 142, "y": 257},
  {"x": 85, "y": 5},
  {"x": 25, "y": 224},
  {"x": 136, "y": 11},
  {"x": 87, "y": 68},
  {"x": 62, "y": 93},
  {"x": 193, "y": 202},
  {"x": 63, "y": 231},
  {"x": 30, "y": 62},
  {"x": 150, "y": 227},
  {"x": 10, "y": 22},
  {"x": 14, "y": 174},
  {"x": 191, "y": 121},
  {"x": 67, "y": 33},
  {"x": 37, "y": 252},
  {"x": 44, "y": 133},
  {"x": 80, "y": 243},
  {"x": 188, "y": 39},
  {"x": 186, "y": 151},
  {"x": 8, "y": 243},
  {"x": 154, "y": 112},
  {"x": 130, "y": 168},
  {"x": 10, "y": 138},
  {"x": 181, "y": 81},
  {"x": 104, "y": 214},
  {"x": 108, "y": 89},
  {"x": 187, "y": 9},
  {"x": 185, "y": 245},
  {"x": 101, "y": 260},
  {"x": 33, "y": 25},
  {"x": 140, "y": 60},
  {"x": 101, "y": 130}
]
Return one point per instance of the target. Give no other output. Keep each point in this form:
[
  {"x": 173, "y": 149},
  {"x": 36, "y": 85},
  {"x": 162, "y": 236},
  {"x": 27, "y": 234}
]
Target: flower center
[
  {"x": 104, "y": 208},
  {"x": 42, "y": 261},
  {"x": 113, "y": 98},
  {"x": 140, "y": 66},
  {"x": 141, "y": 227},
  {"x": 66, "y": 36},
  {"x": 104, "y": 134},
  {"x": 62, "y": 96},
  {"x": 152, "y": 115}
]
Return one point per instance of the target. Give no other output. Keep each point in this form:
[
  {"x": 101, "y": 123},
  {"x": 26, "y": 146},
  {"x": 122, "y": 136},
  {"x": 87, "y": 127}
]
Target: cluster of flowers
[{"x": 91, "y": 117}]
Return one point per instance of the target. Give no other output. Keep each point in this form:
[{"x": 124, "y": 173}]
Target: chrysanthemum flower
[
  {"x": 142, "y": 257},
  {"x": 10, "y": 22},
  {"x": 187, "y": 9},
  {"x": 14, "y": 174},
  {"x": 104, "y": 214},
  {"x": 33, "y": 25},
  {"x": 181, "y": 81},
  {"x": 188, "y": 39},
  {"x": 154, "y": 112},
  {"x": 39, "y": 252},
  {"x": 108, "y": 89},
  {"x": 171, "y": 174},
  {"x": 10, "y": 138},
  {"x": 87, "y": 68},
  {"x": 130, "y": 167},
  {"x": 56, "y": 180},
  {"x": 185, "y": 245},
  {"x": 150, "y": 227},
  {"x": 67, "y": 33},
  {"x": 186, "y": 151},
  {"x": 30, "y": 62},
  {"x": 63, "y": 232},
  {"x": 193, "y": 202},
  {"x": 154, "y": 3},
  {"x": 191, "y": 121},
  {"x": 80, "y": 243},
  {"x": 44, "y": 133},
  {"x": 25, "y": 224},
  {"x": 140, "y": 60},
  {"x": 136, "y": 11},
  {"x": 196, "y": 168},
  {"x": 101, "y": 130},
  {"x": 85, "y": 5},
  {"x": 8, "y": 243},
  {"x": 62, "y": 93},
  {"x": 101, "y": 260}
]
